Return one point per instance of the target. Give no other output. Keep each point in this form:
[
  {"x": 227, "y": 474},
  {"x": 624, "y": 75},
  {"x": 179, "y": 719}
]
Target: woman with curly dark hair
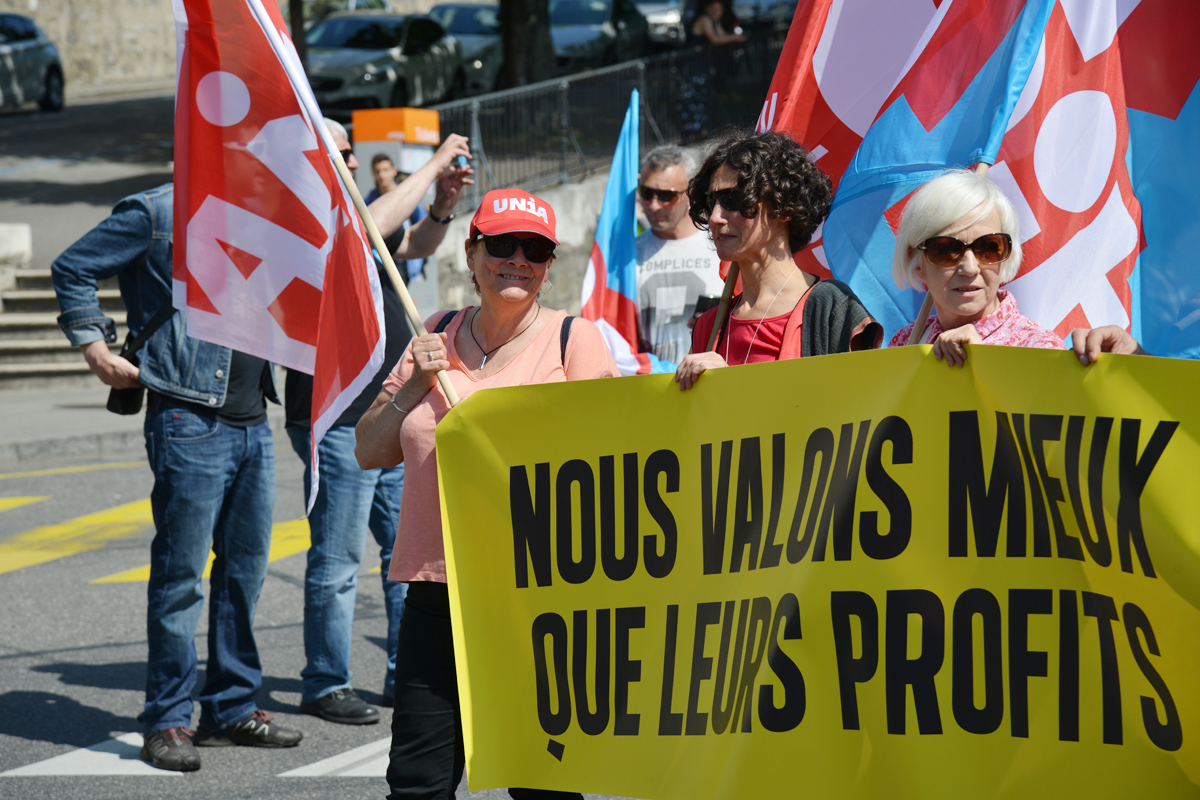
[{"x": 761, "y": 198}]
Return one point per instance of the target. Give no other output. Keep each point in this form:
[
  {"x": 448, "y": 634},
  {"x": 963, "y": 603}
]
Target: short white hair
[
  {"x": 939, "y": 204},
  {"x": 336, "y": 129}
]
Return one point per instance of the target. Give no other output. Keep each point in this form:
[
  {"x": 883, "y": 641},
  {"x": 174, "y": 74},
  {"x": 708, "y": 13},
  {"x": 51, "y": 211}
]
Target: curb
[{"x": 131, "y": 442}]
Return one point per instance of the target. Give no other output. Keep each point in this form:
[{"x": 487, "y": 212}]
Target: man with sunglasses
[
  {"x": 352, "y": 501},
  {"x": 677, "y": 263},
  {"x": 958, "y": 240}
]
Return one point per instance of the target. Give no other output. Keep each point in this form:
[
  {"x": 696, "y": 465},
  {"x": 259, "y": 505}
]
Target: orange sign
[{"x": 408, "y": 125}]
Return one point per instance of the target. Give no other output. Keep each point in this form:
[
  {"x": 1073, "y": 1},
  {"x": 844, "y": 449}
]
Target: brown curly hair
[{"x": 771, "y": 168}]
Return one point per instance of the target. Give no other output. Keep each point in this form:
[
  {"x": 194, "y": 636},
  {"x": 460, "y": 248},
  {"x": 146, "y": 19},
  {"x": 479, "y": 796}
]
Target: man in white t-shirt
[{"x": 676, "y": 262}]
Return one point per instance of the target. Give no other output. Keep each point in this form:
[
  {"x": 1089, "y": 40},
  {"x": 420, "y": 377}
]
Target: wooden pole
[
  {"x": 918, "y": 329},
  {"x": 410, "y": 308},
  {"x": 723, "y": 307}
]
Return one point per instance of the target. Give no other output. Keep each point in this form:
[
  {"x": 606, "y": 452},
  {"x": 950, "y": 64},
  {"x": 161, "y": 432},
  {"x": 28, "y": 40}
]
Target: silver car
[
  {"x": 477, "y": 28},
  {"x": 365, "y": 60},
  {"x": 595, "y": 33},
  {"x": 30, "y": 68},
  {"x": 669, "y": 21}
]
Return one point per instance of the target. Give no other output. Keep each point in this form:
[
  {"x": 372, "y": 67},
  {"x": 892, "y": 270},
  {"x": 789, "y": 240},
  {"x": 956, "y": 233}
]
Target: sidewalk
[{"x": 44, "y": 424}]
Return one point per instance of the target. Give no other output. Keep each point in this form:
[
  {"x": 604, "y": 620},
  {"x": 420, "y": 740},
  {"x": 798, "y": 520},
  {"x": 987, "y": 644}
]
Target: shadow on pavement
[
  {"x": 129, "y": 676},
  {"x": 131, "y": 127},
  {"x": 272, "y": 686},
  {"x": 106, "y": 193},
  {"x": 53, "y": 718}
]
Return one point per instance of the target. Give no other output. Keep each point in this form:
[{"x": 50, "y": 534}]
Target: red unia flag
[{"x": 270, "y": 256}]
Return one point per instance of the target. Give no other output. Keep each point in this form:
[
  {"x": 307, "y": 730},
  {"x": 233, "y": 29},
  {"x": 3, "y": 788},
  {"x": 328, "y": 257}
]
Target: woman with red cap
[{"x": 509, "y": 339}]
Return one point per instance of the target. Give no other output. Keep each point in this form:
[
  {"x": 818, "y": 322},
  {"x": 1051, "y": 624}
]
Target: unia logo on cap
[{"x": 527, "y": 204}]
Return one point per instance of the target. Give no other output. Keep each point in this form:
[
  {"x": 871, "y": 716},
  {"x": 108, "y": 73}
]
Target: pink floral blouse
[{"x": 1004, "y": 326}]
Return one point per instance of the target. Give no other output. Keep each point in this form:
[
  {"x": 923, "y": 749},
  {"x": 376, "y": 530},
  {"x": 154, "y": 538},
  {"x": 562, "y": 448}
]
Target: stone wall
[{"x": 106, "y": 42}]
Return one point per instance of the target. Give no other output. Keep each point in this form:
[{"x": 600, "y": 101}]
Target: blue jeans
[
  {"x": 214, "y": 488},
  {"x": 350, "y": 501}
]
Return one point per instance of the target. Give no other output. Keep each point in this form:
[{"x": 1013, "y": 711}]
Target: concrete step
[
  {"x": 43, "y": 351},
  {"x": 40, "y": 279},
  {"x": 44, "y": 325},
  {"x": 28, "y": 301}
]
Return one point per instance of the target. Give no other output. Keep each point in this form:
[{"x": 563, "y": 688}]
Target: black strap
[
  {"x": 164, "y": 313},
  {"x": 444, "y": 322},
  {"x": 563, "y": 336}
]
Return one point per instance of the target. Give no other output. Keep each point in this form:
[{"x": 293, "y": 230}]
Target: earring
[{"x": 546, "y": 287}]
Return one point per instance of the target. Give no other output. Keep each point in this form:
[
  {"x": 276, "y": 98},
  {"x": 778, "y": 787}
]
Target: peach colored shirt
[{"x": 418, "y": 554}]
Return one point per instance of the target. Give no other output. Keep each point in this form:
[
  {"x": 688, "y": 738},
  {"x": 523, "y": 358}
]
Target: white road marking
[
  {"x": 368, "y": 761},
  {"x": 118, "y": 756}
]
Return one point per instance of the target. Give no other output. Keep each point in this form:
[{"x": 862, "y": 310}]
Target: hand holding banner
[{"x": 966, "y": 584}]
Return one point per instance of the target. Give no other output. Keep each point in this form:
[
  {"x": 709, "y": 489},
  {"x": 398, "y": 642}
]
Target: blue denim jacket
[{"x": 134, "y": 244}]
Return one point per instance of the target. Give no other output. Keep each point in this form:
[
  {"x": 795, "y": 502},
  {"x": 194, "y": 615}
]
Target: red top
[
  {"x": 746, "y": 341},
  {"x": 749, "y": 341}
]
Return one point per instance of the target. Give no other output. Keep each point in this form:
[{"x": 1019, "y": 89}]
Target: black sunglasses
[
  {"x": 346, "y": 154},
  {"x": 947, "y": 252},
  {"x": 665, "y": 196},
  {"x": 731, "y": 199},
  {"x": 538, "y": 250}
]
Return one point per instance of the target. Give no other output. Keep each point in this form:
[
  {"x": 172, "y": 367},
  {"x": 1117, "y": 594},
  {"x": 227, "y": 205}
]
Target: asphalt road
[
  {"x": 62, "y": 172},
  {"x": 73, "y": 648}
]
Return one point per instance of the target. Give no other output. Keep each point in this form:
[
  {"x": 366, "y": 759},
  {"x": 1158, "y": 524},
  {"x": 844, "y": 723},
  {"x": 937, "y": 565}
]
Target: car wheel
[
  {"x": 52, "y": 97},
  {"x": 458, "y": 89},
  {"x": 399, "y": 95}
]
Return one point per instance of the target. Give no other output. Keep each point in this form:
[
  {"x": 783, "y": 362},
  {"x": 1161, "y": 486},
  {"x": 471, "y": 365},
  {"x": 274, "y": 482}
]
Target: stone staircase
[{"x": 34, "y": 353}]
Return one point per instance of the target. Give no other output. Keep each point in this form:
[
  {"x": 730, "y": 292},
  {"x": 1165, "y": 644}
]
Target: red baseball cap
[{"x": 513, "y": 211}]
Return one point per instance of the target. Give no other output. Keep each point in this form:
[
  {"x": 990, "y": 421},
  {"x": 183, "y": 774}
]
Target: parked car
[
  {"x": 358, "y": 60},
  {"x": 30, "y": 68},
  {"x": 669, "y": 21},
  {"x": 477, "y": 28},
  {"x": 317, "y": 10},
  {"x": 765, "y": 16},
  {"x": 595, "y": 33}
]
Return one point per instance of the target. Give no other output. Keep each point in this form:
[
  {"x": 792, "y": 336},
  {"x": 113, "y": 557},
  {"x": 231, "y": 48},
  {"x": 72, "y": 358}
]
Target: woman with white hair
[{"x": 958, "y": 241}]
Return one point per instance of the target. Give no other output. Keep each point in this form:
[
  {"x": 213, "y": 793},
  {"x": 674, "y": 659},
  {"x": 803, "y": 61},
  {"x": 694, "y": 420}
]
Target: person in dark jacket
[
  {"x": 761, "y": 199},
  {"x": 352, "y": 501}
]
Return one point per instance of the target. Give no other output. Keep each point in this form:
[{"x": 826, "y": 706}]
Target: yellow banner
[{"x": 858, "y": 576}]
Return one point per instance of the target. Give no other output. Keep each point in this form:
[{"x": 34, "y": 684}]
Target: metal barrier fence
[{"x": 550, "y": 132}]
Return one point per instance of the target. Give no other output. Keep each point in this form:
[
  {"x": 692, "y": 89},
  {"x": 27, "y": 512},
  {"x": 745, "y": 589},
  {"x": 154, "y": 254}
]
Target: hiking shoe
[
  {"x": 171, "y": 749},
  {"x": 342, "y": 706},
  {"x": 257, "y": 730}
]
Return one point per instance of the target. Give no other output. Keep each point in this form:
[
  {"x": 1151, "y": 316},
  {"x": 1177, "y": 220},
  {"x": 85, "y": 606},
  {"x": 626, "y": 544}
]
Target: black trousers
[{"x": 427, "y": 758}]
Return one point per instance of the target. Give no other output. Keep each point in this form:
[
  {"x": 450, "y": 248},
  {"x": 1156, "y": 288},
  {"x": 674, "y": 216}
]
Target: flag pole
[
  {"x": 723, "y": 308},
  {"x": 290, "y": 60},
  {"x": 389, "y": 265},
  {"x": 918, "y": 329}
]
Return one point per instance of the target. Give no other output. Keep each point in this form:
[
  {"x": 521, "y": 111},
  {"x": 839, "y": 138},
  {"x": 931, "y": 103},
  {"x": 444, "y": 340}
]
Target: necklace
[
  {"x": 486, "y": 353},
  {"x": 760, "y": 322}
]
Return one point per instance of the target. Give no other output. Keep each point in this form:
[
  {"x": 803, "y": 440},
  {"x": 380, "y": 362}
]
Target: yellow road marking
[
  {"x": 37, "y": 473},
  {"x": 79, "y": 535},
  {"x": 9, "y": 503},
  {"x": 287, "y": 538}
]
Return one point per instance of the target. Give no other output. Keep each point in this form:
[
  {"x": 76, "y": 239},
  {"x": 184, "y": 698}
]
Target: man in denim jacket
[{"x": 210, "y": 449}]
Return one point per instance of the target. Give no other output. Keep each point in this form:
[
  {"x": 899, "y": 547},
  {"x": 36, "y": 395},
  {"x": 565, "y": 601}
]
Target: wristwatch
[{"x": 436, "y": 218}]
